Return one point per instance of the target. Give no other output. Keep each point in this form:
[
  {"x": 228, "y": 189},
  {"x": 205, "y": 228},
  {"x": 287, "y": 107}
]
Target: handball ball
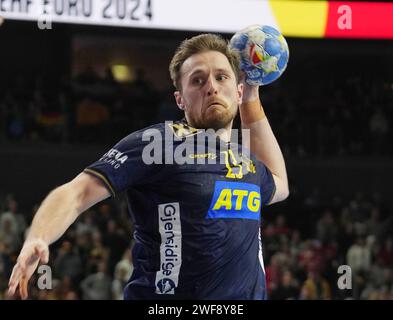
[{"x": 263, "y": 51}]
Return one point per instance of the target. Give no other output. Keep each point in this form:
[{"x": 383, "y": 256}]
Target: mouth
[{"x": 215, "y": 104}]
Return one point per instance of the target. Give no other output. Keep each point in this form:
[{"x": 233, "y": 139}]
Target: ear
[
  {"x": 179, "y": 100},
  {"x": 240, "y": 92}
]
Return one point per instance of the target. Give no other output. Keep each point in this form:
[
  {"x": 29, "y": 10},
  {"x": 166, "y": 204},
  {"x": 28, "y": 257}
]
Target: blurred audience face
[
  {"x": 12, "y": 206},
  {"x": 66, "y": 247},
  {"x": 287, "y": 279}
]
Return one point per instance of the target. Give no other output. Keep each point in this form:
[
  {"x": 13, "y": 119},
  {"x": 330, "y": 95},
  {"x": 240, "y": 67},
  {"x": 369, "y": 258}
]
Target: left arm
[{"x": 263, "y": 143}]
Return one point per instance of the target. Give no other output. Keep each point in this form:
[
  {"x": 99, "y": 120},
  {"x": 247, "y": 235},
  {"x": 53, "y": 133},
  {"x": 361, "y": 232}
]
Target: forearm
[
  {"x": 57, "y": 212},
  {"x": 264, "y": 146},
  {"x": 263, "y": 143}
]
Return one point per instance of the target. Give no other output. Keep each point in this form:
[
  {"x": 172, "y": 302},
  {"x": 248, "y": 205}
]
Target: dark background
[{"x": 321, "y": 111}]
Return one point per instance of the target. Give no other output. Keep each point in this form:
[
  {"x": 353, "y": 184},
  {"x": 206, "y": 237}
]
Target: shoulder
[
  {"x": 141, "y": 137},
  {"x": 160, "y": 131},
  {"x": 139, "y": 134}
]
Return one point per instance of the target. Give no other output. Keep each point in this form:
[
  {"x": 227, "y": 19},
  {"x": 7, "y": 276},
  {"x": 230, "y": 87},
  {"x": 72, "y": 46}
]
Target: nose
[{"x": 211, "y": 86}]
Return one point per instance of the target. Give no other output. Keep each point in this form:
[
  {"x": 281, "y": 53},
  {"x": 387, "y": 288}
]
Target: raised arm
[
  {"x": 264, "y": 144},
  {"x": 57, "y": 212}
]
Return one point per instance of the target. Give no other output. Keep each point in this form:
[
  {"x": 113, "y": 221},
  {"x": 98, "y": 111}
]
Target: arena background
[{"x": 67, "y": 94}]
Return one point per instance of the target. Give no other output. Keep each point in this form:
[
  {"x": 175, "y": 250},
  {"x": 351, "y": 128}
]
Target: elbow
[
  {"x": 286, "y": 193},
  {"x": 280, "y": 195},
  {"x": 286, "y": 190},
  {"x": 282, "y": 190}
]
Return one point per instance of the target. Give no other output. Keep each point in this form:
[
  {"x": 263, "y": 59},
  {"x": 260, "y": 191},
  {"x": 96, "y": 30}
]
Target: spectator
[
  {"x": 123, "y": 271},
  {"x": 98, "y": 285},
  {"x": 16, "y": 220},
  {"x": 68, "y": 262},
  {"x": 10, "y": 239},
  {"x": 386, "y": 253},
  {"x": 116, "y": 241},
  {"x": 379, "y": 129},
  {"x": 359, "y": 256},
  {"x": 326, "y": 227},
  {"x": 287, "y": 289},
  {"x": 315, "y": 287}
]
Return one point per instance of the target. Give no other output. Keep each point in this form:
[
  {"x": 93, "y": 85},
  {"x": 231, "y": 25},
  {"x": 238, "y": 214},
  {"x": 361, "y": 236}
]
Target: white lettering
[
  {"x": 344, "y": 281},
  {"x": 170, "y": 250},
  {"x": 44, "y": 22},
  {"x": 345, "y": 21},
  {"x": 176, "y": 311},
  {"x": 44, "y": 281}
]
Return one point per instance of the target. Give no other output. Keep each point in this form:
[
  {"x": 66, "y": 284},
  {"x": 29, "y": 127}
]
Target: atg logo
[
  {"x": 165, "y": 285},
  {"x": 235, "y": 200}
]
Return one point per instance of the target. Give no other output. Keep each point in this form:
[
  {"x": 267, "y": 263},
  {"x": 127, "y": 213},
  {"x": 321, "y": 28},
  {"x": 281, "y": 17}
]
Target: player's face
[{"x": 209, "y": 93}]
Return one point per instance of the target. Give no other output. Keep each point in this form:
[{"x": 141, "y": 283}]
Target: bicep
[{"x": 90, "y": 189}]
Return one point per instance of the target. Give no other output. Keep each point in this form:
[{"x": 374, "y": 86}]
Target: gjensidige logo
[
  {"x": 165, "y": 285},
  {"x": 170, "y": 249}
]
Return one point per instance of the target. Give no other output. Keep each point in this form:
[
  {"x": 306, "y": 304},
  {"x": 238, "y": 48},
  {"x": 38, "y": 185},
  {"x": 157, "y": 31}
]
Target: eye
[
  {"x": 221, "y": 77},
  {"x": 197, "y": 81}
]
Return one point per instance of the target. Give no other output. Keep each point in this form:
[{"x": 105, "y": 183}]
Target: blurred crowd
[
  {"x": 85, "y": 109},
  {"x": 308, "y": 238},
  {"x": 334, "y": 116},
  {"x": 305, "y": 241},
  {"x": 91, "y": 261}
]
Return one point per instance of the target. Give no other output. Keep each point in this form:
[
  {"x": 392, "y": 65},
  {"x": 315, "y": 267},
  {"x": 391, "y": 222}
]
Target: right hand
[
  {"x": 33, "y": 252},
  {"x": 250, "y": 92}
]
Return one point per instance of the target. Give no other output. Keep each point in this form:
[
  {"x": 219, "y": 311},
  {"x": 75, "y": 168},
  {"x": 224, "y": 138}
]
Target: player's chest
[{"x": 227, "y": 186}]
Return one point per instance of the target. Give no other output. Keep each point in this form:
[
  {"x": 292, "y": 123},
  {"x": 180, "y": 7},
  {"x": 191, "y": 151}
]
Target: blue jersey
[{"x": 197, "y": 224}]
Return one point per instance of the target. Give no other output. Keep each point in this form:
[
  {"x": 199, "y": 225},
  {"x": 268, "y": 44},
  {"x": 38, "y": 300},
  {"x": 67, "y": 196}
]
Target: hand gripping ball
[{"x": 263, "y": 51}]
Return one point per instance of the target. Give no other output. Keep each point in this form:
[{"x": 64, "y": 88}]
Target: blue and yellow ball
[{"x": 264, "y": 53}]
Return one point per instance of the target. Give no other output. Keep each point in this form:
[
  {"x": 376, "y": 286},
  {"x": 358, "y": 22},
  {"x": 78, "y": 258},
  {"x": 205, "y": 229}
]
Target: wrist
[
  {"x": 36, "y": 239},
  {"x": 250, "y": 93},
  {"x": 252, "y": 111}
]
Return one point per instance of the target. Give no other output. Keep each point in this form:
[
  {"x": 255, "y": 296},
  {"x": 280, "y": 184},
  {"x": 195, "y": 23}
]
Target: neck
[{"x": 225, "y": 133}]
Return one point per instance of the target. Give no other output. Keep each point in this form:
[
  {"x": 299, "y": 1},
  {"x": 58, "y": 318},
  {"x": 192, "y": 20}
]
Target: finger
[
  {"x": 12, "y": 289},
  {"x": 22, "y": 263},
  {"x": 23, "y": 288},
  {"x": 14, "y": 279},
  {"x": 14, "y": 275},
  {"x": 19, "y": 271}
]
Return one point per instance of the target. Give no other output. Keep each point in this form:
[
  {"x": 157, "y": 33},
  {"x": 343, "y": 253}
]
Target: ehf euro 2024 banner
[{"x": 296, "y": 18}]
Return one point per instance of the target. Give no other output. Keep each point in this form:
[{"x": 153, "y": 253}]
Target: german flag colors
[{"x": 336, "y": 19}]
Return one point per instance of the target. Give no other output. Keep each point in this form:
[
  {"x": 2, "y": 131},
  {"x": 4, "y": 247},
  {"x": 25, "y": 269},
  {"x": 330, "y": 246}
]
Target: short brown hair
[{"x": 198, "y": 44}]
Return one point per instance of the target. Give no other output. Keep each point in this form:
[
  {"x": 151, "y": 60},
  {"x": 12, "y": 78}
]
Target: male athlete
[{"x": 197, "y": 225}]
